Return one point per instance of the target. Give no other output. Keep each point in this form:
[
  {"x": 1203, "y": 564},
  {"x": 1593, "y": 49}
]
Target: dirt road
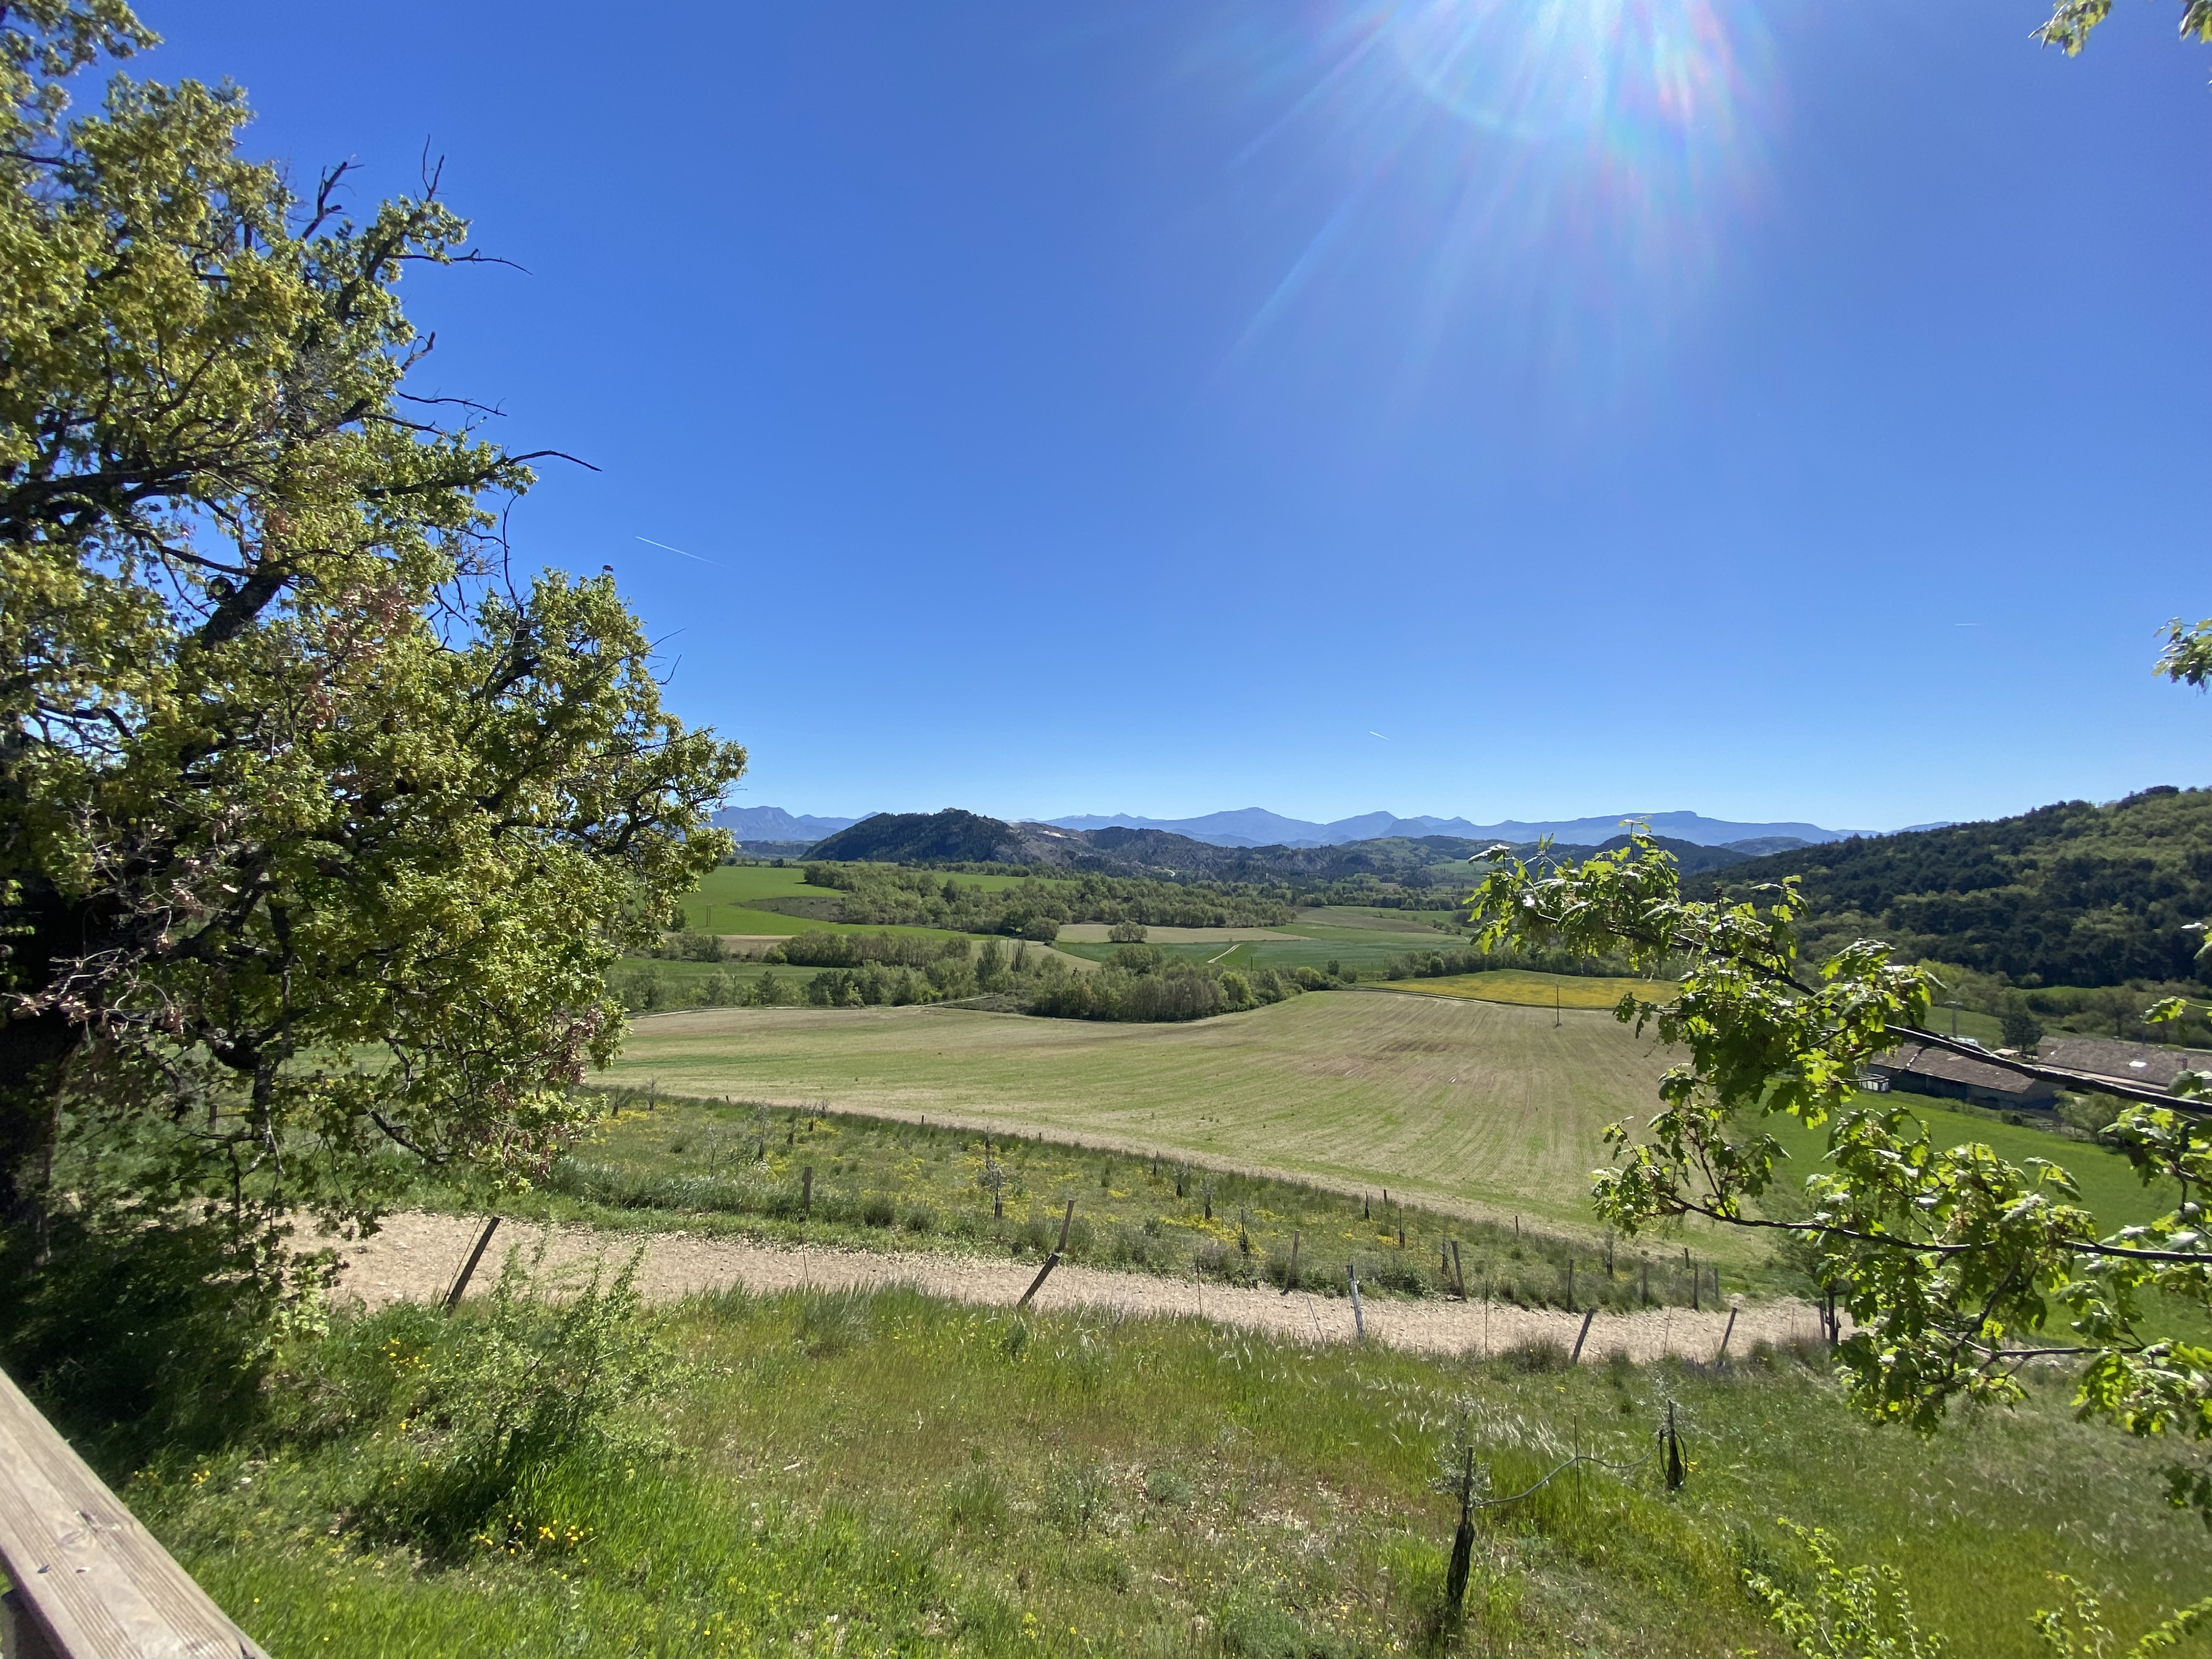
[{"x": 415, "y": 1256}]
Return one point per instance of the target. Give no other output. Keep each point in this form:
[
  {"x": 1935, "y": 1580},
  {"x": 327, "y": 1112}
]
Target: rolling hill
[
  {"x": 2070, "y": 894},
  {"x": 954, "y": 837}
]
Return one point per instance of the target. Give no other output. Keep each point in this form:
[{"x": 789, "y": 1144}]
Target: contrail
[
  {"x": 1378, "y": 734},
  {"x": 680, "y": 552}
]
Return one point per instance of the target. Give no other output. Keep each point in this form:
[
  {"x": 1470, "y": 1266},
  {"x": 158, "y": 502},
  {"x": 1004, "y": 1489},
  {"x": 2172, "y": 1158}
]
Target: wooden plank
[{"x": 90, "y": 1576}]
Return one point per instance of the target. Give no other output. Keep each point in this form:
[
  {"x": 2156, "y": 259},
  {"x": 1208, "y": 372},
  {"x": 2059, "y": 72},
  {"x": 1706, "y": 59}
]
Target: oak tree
[{"x": 319, "y": 827}]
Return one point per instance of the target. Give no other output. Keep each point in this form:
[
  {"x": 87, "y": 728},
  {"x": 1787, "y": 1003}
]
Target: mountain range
[
  {"x": 953, "y": 836},
  {"x": 1255, "y": 826},
  {"x": 774, "y": 824}
]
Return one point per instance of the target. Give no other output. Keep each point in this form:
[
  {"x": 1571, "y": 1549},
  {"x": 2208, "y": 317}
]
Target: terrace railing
[{"x": 91, "y": 1582}]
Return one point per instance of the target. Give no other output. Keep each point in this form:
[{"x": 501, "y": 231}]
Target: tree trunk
[{"x": 33, "y": 1050}]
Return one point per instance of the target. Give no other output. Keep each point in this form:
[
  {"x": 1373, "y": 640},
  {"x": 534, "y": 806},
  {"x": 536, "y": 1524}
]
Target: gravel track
[{"x": 415, "y": 1256}]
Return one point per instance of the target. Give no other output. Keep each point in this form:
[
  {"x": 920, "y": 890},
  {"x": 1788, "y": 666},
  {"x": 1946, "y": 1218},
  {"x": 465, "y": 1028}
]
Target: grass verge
[{"x": 888, "y": 1474}]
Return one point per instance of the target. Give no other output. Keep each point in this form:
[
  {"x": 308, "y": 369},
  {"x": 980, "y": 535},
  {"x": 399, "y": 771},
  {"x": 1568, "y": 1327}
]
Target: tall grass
[
  {"x": 886, "y": 1474},
  {"x": 887, "y": 1182}
]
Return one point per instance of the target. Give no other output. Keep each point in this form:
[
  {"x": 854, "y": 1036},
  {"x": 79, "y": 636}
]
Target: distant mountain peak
[
  {"x": 774, "y": 824},
  {"x": 1256, "y": 826}
]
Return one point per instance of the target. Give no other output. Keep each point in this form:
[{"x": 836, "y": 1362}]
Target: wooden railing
[{"x": 91, "y": 1582}]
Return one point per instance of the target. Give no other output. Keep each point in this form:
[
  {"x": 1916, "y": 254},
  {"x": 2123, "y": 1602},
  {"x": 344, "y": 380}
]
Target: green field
[
  {"x": 1473, "y": 1105},
  {"x": 1476, "y": 1108},
  {"x": 871, "y": 1475},
  {"x": 1529, "y": 990}
]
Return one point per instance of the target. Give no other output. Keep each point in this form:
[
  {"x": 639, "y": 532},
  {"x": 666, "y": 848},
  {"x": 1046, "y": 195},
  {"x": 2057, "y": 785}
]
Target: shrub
[
  {"x": 877, "y": 1210},
  {"x": 487, "y": 1402}
]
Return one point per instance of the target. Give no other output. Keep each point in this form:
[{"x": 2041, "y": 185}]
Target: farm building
[
  {"x": 2138, "y": 1062},
  {"x": 1920, "y": 1070}
]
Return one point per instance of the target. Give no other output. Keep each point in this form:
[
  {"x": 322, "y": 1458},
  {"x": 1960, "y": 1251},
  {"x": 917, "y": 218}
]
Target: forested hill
[
  {"x": 951, "y": 836},
  {"x": 2066, "y": 895},
  {"x": 954, "y": 837}
]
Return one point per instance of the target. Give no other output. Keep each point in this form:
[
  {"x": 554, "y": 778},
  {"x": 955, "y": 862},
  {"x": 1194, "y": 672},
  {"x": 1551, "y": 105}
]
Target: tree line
[
  {"x": 1139, "y": 983},
  {"x": 1473, "y": 959},
  {"x": 886, "y": 896}
]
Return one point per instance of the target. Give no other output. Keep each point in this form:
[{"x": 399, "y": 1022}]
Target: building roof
[
  {"x": 1924, "y": 1061},
  {"x": 2138, "y": 1062}
]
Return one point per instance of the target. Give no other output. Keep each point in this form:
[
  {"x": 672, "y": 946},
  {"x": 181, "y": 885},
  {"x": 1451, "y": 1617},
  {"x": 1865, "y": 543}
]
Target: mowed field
[
  {"x": 1474, "y": 1106},
  {"x": 1529, "y": 990}
]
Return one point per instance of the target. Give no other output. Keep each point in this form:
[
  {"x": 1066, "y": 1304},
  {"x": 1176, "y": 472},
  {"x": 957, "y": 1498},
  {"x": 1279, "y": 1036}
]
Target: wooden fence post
[
  {"x": 1290, "y": 1277},
  {"x": 1050, "y": 1261},
  {"x": 469, "y": 1267},
  {"x": 1729, "y": 1331},
  {"x": 1359, "y": 1319},
  {"x": 1459, "y": 1273},
  {"x": 1581, "y": 1337},
  {"x": 1462, "y": 1549}
]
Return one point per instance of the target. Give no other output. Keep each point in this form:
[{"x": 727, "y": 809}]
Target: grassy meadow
[
  {"x": 884, "y": 1475},
  {"x": 1471, "y": 1107},
  {"x": 894, "y": 1184},
  {"x": 1475, "y": 1108}
]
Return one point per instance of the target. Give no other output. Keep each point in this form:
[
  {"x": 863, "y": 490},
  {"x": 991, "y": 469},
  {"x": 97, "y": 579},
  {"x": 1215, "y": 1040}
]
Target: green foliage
[
  {"x": 2068, "y": 28},
  {"x": 2080, "y": 1632},
  {"x": 1856, "y": 1612},
  {"x": 1955, "y": 1260},
  {"x": 1450, "y": 963},
  {"x": 290, "y": 771},
  {"x": 877, "y": 893},
  {"x": 464, "y": 1415},
  {"x": 2066, "y": 895},
  {"x": 135, "y": 1338},
  {"x": 689, "y": 945},
  {"x": 825, "y": 950},
  {"x": 1140, "y": 982},
  {"x": 2023, "y": 1029}
]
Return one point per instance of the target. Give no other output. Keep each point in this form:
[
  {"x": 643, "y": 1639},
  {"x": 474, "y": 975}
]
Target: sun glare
[{"x": 1578, "y": 160}]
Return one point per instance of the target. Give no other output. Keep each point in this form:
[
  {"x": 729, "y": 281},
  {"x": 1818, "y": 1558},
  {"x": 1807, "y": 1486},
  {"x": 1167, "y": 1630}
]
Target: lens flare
[{"x": 1567, "y": 168}]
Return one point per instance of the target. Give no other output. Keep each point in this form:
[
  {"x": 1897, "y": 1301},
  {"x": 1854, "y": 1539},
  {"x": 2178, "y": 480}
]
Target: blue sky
[{"x": 1784, "y": 412}]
